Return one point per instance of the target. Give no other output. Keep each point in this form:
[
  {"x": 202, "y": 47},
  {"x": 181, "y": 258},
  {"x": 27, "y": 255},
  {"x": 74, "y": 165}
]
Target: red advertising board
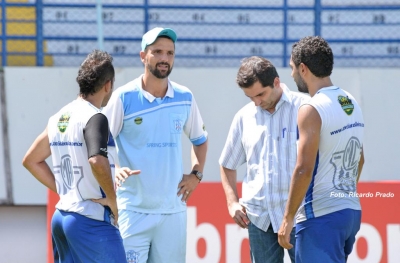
[{"x": 213, "y": 237}]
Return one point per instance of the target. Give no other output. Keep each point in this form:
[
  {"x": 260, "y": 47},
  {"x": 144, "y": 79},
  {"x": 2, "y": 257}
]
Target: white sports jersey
[
  {"x": 76, "y": 184},
  {"x": 267, "y": 143},
  {"x": 333, "y": 186},
  {"x": 148, "y": 136}
]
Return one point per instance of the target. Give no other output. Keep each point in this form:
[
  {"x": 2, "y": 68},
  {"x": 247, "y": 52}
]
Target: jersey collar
[
  {"x": 150, "y": 97},
  {"x": 327, "y": 88}
]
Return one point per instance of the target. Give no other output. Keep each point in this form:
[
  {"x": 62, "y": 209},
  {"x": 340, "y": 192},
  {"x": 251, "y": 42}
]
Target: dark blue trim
[
  {"x": 90, "y": 5},
  {"x": 111, "y": 141},
  {"x": 309, "y": 195},
  {"x": 360, "y": 7},
  {"x": 146, "y": 16},
  {"x": 39, "y": 33},
  {"x": 3, "y": 34},
  {"x": 102, "y": 193},
  {"x": 285, "y": 33},
  {"x": 317, "y": 17}
]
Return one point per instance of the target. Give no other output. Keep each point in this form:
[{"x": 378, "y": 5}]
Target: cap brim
[{"x": 168, "y": 32}]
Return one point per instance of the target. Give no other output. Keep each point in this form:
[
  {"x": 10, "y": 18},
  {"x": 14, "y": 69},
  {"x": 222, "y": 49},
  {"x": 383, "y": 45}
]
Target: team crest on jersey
[
  {"x": 63, "y": 122},
  {"x": 67, "y": 172},
  {"x": 347, "y": 104},
  {"x": 345, "y": 165},
  {"x": 176, "y": 121},
  {"x": 70, "y": 175},
  {"x": 132, "y": 256},
  {"x": 178, "y": 125},
  {"x": 138, "y": 120}
]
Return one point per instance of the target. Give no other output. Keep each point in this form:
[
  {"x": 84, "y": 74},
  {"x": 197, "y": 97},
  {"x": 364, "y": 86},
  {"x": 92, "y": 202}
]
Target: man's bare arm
[
  {"x": 198, "y": 156},
  {"x": 236, "y": 210},
  {"x": 309, "y": 123},
  {"x": 35, "y": 161}
]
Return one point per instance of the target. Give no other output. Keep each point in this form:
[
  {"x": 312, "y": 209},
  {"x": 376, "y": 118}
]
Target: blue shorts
[
  {"x": 79, "y": 239},
  {"x": 328, "y": 238}
]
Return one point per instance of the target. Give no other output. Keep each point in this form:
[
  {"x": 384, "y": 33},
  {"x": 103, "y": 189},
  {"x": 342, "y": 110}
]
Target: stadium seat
[{"x": 21, "y": 21}]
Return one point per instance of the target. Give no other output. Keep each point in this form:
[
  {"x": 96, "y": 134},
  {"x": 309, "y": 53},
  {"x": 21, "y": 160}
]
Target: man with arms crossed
[
  {"x": 83, "y": 230},
  {"x": 330, "y": 159},
  {"x": 147, "y": 118},
  {"x": 263, "y": 134}
]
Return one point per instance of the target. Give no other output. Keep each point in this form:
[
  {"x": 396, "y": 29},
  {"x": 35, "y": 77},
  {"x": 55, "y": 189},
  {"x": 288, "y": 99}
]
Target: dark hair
[
  {"x": 255, "y": 69},
  {"x": 94, "y": 72},
  {"x": 315, "y": 53}
]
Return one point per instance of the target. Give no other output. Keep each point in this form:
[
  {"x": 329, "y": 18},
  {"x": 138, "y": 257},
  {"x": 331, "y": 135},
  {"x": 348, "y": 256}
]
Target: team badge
[
  {"x": 67, "y": 172},
  {"x": 347, "y": 104},
  {"x": 345, "y": 165},
  {"x": 70, "y": 175},
  {"x": 63, "y": 122},
  {"x": 138, "y": 120},
  {"x": 178, "y": 125},
  {"x": 132, "y": 256}
]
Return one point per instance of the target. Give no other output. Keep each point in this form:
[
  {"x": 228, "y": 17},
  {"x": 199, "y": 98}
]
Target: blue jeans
[{"x": 264, "y": 246}]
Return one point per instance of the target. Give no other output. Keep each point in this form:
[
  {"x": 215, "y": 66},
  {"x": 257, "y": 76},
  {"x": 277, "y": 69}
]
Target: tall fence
[{"x": 217, "y": 33}]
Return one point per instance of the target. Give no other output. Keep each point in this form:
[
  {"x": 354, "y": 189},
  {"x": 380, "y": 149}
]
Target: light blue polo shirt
[{"x": 148, "y": 134}]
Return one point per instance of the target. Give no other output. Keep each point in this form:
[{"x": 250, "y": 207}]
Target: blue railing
[{"x": 209, "y": 34}]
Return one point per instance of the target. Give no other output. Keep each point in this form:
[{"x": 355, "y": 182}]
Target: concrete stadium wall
[
  {"x": 3, "y": 190},
  {"x": 23, "y": 234},
  {"x": 34, "y": 94}
]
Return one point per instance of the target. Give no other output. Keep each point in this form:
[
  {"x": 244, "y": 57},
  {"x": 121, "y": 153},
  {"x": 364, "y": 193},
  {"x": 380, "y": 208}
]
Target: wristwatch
[{"x": 198, "y": 174}]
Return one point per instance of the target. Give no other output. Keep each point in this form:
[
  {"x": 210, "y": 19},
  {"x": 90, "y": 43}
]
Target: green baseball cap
[{"x": 151, "y": 36}]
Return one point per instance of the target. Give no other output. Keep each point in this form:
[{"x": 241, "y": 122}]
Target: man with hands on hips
[
  {"x": 76, "y": 138},
  {"x": 147, "y": 118}
]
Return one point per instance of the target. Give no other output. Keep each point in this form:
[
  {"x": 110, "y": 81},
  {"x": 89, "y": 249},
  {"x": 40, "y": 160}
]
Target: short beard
[
  {"x": 157, "y": 73},
  {"x": 301, "y": 85}
]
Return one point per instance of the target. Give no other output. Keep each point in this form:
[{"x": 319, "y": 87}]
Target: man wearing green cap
[{"x": 147, "y": 117}]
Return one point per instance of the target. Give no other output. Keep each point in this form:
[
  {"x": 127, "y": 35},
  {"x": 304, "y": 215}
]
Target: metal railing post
[
  {"x": 146, "y": 16},
  {"x": 3, "y": 34},
  {"x": 39, "y": 34},
  {"x": 6, "y": 144},
  {"x": 317, "y": 15},
  {"x": 285, "y": 32}
]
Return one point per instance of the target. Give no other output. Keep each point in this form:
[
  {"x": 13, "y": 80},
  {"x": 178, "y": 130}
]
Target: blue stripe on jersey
[
  {"x": 111, "y": 141},
  {"x": 158, "y": 107},
  {"x": 199, "y": 141},
  {"x": 102, "y": 193},
  {"x": 181, "y": 97},
  {"x": 309, "y": 195}
]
